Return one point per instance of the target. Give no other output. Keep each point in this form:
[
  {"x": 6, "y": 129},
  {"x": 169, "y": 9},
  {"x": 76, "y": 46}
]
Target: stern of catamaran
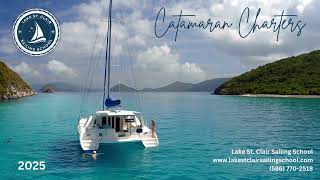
[{"x": 115, "y": 126}]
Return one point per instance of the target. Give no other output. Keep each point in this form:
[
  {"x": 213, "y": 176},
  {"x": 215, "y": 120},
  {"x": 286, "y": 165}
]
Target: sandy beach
[{"x": 280, "y": 96}]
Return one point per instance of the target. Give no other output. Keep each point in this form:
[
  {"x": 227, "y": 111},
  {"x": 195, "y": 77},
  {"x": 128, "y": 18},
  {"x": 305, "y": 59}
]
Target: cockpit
[{"x": 121, "y": 124}]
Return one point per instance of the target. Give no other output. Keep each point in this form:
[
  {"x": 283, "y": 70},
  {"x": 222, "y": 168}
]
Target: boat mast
[{"x": 108, "y": 55}]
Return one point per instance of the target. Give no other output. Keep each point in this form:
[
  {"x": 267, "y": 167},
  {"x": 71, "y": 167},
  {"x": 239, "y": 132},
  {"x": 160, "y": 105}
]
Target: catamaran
[{"x": 112, "y": 124}]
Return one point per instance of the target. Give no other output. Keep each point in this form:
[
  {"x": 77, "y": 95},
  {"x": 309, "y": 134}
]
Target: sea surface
[{"x": 193, "y": 129}]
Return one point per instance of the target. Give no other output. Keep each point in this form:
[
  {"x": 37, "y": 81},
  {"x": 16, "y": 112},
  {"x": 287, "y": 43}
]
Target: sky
[{"x": 195, "y": 56}]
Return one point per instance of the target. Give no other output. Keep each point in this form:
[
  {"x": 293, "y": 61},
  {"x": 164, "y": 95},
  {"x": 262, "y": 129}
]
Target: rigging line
[
  {"x": 130, "y": 60},
  {"x": 96, "y": 57},
  {"x": 132, "y": 71},
  {"x": 122, "y": 67},
  {"x": 99, "y": 51},
  {"x": 84, "y": 87},
  {"x": 97, "y": 106},
  {"x": 96, "y": 64},
  {"x": 116, "y": 41},
  {"x": 87, "y": 86}
]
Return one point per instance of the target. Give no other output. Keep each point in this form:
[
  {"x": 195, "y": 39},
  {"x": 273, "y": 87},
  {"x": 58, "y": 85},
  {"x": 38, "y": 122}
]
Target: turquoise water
[{"x": 193, "y": 128}]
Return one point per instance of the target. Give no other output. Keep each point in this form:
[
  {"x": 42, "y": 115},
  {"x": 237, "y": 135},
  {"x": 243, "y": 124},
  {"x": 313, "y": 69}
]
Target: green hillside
[
  {"x": 12, "y": 85},
  {"x": 298, "y": 75}
]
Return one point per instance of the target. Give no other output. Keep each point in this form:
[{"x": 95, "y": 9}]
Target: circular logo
[{"x": 36, "y": 32}]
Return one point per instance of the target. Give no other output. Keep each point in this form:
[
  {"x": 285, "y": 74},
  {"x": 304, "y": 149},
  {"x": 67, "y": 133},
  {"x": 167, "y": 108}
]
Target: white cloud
[
  {"x": 60, "y": 69},
  {"x": 302, "y": 5},
  {"x": 25, "y": 69},
  {"x": 7, "y": 45},
  {"x": 129, "y": 3},
  {"x": 160, "y": 59},
  {"x": 191, "y": 68}
]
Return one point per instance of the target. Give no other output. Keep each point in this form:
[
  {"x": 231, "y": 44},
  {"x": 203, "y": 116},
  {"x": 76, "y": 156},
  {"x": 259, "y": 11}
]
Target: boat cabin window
[
  {"x": 104, "y": 121},
  {"x": 117, "y": 124},
  {"x": 112, "y": 122},
  {"x": 121, "y": 124}
]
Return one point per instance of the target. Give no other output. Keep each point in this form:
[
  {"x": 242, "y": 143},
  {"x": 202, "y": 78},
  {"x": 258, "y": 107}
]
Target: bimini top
[{"x": 116, "y": 113}]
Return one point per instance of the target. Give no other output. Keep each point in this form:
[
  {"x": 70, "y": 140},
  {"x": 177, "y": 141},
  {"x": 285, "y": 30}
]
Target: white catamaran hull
[{"x": 92, "y": 133}]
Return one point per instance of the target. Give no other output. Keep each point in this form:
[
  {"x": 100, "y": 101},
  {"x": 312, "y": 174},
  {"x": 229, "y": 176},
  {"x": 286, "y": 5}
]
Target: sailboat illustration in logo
[{"x": 38, "y": 35}]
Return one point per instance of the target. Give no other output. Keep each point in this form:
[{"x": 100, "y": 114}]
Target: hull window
[
  {"x": 112, "y": 122},
  {"x": 109, "y": 121}
]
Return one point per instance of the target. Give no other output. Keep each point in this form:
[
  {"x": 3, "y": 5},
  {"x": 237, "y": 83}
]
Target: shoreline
[
  {"x": 281, "y": 96},
  {"x": 17, "y": 95}
]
